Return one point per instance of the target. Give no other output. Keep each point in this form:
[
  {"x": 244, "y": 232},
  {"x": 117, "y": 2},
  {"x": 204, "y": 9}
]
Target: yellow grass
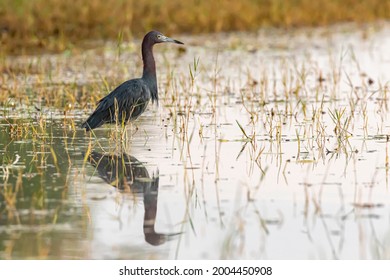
[{"x": 58, "y": 24}]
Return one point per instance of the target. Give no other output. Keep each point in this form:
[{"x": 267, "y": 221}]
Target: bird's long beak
[{"x": 170, "y": 40}]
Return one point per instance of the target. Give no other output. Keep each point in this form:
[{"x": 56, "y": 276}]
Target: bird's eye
[{"x": 159, "y": 36}]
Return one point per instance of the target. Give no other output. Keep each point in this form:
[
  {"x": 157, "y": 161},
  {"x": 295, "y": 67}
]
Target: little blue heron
[{"x": 129, "y": 100}]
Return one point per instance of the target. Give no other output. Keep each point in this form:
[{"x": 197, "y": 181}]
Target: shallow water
[{"x": 277, "y": 149}]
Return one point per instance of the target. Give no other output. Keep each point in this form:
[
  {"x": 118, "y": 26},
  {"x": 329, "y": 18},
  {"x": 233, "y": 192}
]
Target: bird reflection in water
[{"x": 128, "y": 174}]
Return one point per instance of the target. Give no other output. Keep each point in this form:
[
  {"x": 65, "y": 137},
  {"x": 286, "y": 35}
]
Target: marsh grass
[
  {"x": 37, "y": 85},
  {"x": 55, "y": 25},
  {"x": 289, "y": 112},
  {"x": 29, "y": 200}
]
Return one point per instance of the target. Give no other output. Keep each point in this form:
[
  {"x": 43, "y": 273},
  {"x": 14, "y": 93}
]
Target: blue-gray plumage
[{"x": 129, "y": 100}]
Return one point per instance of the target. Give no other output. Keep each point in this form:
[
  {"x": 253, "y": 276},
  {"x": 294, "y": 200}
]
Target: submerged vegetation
[{"x": 58, "y": 25}]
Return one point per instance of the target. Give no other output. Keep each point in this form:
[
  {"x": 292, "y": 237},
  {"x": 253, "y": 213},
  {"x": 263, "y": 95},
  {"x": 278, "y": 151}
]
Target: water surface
[{"x": 264, "y": 146}]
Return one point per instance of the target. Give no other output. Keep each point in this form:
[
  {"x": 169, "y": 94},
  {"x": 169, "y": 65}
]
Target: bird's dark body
[
  {"x": 129, "y": 100},
  {"x": 125, "y": 103}
]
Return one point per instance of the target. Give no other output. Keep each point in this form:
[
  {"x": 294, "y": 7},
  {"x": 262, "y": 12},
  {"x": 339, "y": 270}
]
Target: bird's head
[{"x": 157, "y": 37}]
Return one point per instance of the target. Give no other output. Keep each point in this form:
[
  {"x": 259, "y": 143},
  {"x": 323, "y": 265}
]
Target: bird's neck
[
  {"x": 149, "y": 74},
  {"x": 149, "y": 63}
]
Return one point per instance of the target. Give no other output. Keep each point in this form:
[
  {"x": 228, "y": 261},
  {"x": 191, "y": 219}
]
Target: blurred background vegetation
[{"x": 56, "y": 25}]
